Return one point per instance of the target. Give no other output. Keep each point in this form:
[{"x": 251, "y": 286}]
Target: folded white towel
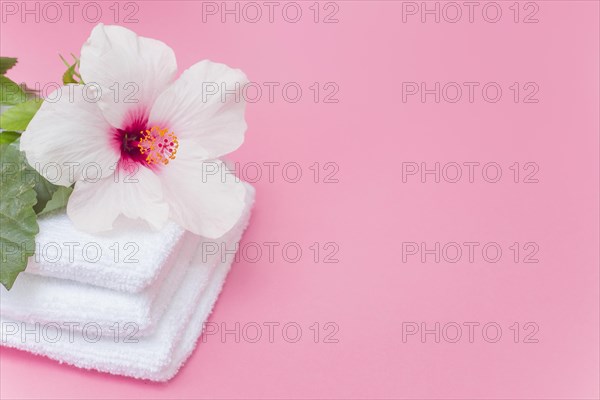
[
  {"x": 129, "y": 258},
  {"x": 155, "y": 357},
  {"x": 43, "y": 299},
  {"x": 50, "y": 300}
]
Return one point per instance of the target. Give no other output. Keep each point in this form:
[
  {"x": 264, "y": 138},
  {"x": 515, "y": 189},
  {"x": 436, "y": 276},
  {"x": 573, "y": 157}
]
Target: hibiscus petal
[
  {"x": 204, "y": 198},
  {"x": 94, "y": 207},
  {"x": 131, "y": 71},
  {"x": 68, "y": 139},
  {"x": 214, "y": 122}
]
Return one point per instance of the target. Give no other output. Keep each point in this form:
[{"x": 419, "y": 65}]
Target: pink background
[{"x": 369, "y": 133}]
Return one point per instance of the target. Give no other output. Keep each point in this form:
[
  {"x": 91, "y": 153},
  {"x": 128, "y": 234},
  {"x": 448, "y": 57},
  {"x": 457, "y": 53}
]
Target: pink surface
[{"x": 371, "y": 296}]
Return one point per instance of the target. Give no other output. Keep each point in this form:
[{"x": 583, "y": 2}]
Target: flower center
[{"x": 158, "y": 145}]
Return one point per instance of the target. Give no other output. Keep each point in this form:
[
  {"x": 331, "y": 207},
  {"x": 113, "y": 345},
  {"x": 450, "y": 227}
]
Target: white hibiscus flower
[{"x": 165, "y": 139}]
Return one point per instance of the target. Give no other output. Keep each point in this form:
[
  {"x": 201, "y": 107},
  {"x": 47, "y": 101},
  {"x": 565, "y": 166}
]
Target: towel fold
[
  {"x": 168, "y": 340},
  {"x": 38, "y": 299},
  {"x": 157, "y": 357},
  {"x": 129, "y": 258}
]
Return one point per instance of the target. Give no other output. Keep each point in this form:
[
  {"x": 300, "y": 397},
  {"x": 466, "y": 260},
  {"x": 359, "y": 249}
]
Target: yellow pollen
[{"x": 159, "y": 145}]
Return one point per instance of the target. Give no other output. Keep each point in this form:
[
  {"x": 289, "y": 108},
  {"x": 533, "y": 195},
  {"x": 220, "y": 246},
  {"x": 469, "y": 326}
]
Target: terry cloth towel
[
  {"x": 50, "y": 300},
  {"x": 46, "y": 300},
  {"x": 129, "y": 258},
  {"x": 156, "y": 357}
]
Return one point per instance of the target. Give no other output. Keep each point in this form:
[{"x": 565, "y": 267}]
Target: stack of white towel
[{"x": 132, "y": 302}]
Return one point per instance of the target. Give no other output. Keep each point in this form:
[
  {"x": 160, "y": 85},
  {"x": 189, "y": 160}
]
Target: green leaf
[
  {"x": 6, "y": 63},
  {"x": 44, "y": 191},
  {"x": 59, "y": 200},
  {"x": 72, "y": 71},
  {"x": 17, "y": 218},
  {"x": 10, "y": 92},
  {"x": 7, "y": 137},
  {"x": 68, "y": 76},
  {"x": 17, "y": 117}
]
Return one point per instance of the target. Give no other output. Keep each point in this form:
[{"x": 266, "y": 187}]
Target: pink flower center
[
  {"x": 151, "y": 146},
  {"x": 159, "y": 145}
]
